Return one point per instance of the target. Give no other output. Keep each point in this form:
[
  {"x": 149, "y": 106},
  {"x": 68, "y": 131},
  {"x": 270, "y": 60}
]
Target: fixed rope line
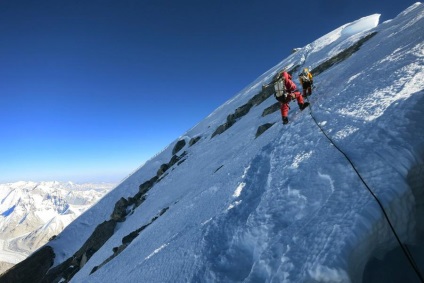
[{"x": 403, "y": 247}]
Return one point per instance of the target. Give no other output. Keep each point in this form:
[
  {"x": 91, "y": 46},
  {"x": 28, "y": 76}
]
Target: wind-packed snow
[
  {"x": 286, "y": 206},
  {"x": 33, "y": 212},
  {"x": 361, "y": 25}
]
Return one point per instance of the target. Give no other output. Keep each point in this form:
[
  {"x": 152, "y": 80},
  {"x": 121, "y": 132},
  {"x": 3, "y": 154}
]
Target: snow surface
[
  {"x": 33, "y": 212},
  {"x": 286, "y": 206}
]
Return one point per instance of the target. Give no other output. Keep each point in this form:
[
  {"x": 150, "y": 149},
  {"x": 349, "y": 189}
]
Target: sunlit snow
[{"x": 286, "y": 206}]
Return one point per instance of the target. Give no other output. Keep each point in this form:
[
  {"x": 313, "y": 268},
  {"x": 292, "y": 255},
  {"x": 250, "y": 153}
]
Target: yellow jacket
[{"x": 309, "y": 78}]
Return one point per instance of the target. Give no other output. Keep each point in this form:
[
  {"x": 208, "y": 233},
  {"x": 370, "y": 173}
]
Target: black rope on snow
[{"x": 403, "y": 247}]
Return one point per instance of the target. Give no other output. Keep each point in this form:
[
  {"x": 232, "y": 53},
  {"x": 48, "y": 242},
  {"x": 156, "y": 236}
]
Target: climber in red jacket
[{"x": 286, "y": 91}]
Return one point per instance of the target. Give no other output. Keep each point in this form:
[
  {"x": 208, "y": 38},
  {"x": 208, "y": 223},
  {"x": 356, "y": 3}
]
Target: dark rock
[
  {"x": 273, "y": 108},
  {"x": 262, "y": 96},
  {"x": 101, "y": 234},
  {"x": 139, "y": 198},
  {"x": 94, "y": 269},
  {"x": 162, "y": 169},
  {"x": 263, "y": 128},
  {"x": 173, "y": 160},
  {"x": 178, "y": 146},
  {"x": 177, "y": 159},
  {"x": 146, "y": 186},
  {"x": 220, "y": 129},
  {"x": 32, "y": 269},
  {"x": 341, "y": 56},
  {"x": 131, "y": 236},
  {"x": 70, "y": 272},
  {"x": 56, "y": 273},
  {"x": 68, "y": 268},
  {"x": 128, "y": 239},
  {"x": 240, "y": 112},
  {"x": 181, "y": 161},
  {"x": 120, "y": 210},
  {"x": 162, "y": 212},
  {"x": 116, "y": 251},
  {"x": 193, "y": 141}
]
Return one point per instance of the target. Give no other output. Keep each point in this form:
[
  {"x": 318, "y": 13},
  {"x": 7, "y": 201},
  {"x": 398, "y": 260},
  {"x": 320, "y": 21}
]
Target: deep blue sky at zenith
[{"x": 92, "y": 89}]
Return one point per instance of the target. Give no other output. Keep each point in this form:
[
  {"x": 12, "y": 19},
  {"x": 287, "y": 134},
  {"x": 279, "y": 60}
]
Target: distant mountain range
[{"x": 31, "y": 213}]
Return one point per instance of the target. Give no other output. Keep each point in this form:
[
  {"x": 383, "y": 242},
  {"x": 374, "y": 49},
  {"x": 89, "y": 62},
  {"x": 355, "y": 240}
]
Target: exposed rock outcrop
[
  {"x": 193, "y": 141},
  {"x": 120, "y": 210},
  {"x": 341, "y": 56},
  {"x": 72, "y": 265},
  {"x": 128, "y": 239},
  {"x": 32, "y": 269},
  {"x": 263, "y": 128},
  {"x": 178, "y": 146},
  {"x": 271, "y": 109}
]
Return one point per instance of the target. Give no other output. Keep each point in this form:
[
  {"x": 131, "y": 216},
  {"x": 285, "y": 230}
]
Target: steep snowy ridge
[{"x": 284, "y": 205}]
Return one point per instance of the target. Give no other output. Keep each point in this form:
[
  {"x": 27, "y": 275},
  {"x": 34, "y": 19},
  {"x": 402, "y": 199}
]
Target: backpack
[{"x": 280, "y": 90}]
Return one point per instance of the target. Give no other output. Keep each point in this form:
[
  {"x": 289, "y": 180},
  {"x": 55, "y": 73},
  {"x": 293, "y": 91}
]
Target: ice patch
[
  {"x": 245, "y": 171},
  {"x": 156, "y": 251},
  {"x": 239, "y": 189},
  {"x": 234, "y": 204},
  {"x": 344, "y": 133},
  {"x": 299, "y": 158},
  {"x": 353, "y": 78}
]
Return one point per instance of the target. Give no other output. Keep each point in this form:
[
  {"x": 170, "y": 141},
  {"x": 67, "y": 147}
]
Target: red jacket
[{"x": 290, "y": 85}]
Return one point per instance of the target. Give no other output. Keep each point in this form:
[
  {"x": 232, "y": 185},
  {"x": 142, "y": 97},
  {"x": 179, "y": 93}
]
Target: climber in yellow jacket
[{"x": 307, "y": 81}]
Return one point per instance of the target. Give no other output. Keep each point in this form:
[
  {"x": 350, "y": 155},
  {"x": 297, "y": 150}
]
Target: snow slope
[
  {"x": 31, "y": 213},
  {"x": 286, "y": 206}
]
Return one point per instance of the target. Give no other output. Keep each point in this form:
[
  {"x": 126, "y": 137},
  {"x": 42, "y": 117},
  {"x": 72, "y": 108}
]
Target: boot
[
  {"x": 303, "y": 105},
  {"x": 285, "y": 120}
]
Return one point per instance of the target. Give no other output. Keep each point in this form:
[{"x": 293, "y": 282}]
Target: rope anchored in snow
[{"x": 404, "y": 248}]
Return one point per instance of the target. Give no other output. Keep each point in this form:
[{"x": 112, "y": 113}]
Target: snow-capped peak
[{"x": 33, "y": 212}]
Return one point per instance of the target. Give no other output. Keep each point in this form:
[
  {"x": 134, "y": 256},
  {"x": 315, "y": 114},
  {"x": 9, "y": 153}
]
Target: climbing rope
[{"x": 403, "y": 247}]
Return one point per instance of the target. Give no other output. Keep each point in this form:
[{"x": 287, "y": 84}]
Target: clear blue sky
[{"x": 92, "y": 89}]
